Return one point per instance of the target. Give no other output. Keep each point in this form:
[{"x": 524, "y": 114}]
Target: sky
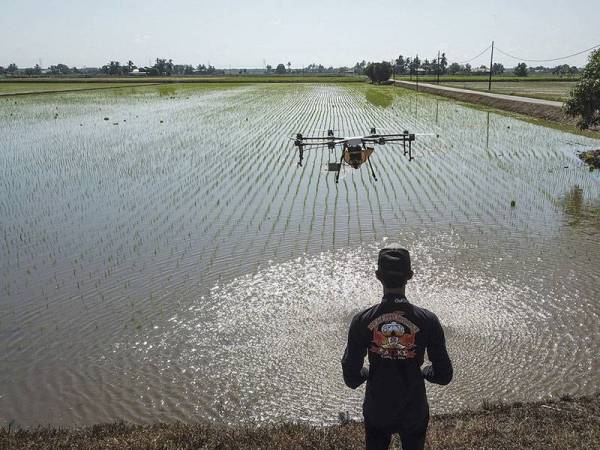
[{"x": 250, "y": 34}]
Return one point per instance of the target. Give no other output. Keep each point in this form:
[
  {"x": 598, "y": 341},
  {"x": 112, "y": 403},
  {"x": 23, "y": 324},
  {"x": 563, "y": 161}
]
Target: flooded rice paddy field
[{"x": 172, "y": 262}]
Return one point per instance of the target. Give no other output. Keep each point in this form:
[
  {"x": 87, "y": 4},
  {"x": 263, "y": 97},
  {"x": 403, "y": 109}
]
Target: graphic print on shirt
[{"x": 393, "y": 336}]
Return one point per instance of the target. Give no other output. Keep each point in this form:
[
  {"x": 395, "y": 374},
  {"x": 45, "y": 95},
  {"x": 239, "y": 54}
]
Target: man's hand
[{"x": 364, "y": 372}]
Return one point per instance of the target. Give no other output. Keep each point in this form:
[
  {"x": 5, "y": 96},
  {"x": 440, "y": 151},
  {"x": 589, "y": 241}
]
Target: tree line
[
  {"x": 439, "y": 66},
  {"x": 164, "y": 67},
  {"x": 584, "y": 102},
  {"x": 161, "y": 67},
  {"x": 400, "y": 66}
]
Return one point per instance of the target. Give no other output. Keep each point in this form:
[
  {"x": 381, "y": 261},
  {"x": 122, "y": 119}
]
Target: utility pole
[
  {"x": 491, "y": 65},
  {"x": 438, "y": 68},
  {"x": 417, "y": 69},
  {"x": 394, "y": 70}
]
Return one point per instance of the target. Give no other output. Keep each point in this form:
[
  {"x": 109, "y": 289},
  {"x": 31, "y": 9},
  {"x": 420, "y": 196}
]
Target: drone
[{"x": 356, "y": 150}]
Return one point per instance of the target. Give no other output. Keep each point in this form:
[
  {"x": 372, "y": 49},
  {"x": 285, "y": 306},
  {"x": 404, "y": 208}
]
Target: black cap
[{"x": 394, "y": 261}]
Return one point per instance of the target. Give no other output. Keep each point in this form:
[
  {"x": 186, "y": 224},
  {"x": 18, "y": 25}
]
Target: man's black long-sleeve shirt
[{"x": 395, "y": 333}]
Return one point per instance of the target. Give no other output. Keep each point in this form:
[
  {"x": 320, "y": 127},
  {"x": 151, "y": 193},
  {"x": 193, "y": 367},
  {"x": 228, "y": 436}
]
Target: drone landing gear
[
  {"x": 339, "y": 167},
  {"x": 409, "y": 138},
  {"x": 372, "y": 170},
  {"x": 409, "y": 151}
]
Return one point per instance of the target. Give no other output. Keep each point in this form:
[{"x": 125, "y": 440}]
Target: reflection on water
[
  {"x": 579, "y": 211},
  {"x": 275, "y": 337},
  {"x": 165, "y": 270}
]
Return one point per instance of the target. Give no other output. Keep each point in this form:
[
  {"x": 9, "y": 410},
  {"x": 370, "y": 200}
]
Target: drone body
[{"x": 355, "y": 150}]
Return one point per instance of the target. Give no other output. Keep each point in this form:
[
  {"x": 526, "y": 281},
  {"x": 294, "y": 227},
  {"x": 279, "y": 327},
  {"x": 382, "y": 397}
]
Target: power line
[
  {"x": 475, "y": 57},
  {"x": 528, "y": 60},
  {"x": 547, "y": 60}
]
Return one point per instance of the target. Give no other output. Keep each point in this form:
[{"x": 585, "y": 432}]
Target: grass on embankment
[{"x": 564, "y": 424}]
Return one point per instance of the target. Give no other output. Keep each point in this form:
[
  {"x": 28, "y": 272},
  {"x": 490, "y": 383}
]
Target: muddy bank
[
  {"x": 567, "y": 423},
  {"x": 545, "y": 110},
  {"x": 591, "y": 157}
]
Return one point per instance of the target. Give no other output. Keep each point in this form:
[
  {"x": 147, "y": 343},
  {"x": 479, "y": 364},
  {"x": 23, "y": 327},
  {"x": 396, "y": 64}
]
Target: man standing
[{"x": 396, "y": 334}]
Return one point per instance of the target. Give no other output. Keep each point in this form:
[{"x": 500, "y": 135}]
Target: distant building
[
  {"x": 137, "y": 73},
  {"x": 89, "y": 70}
]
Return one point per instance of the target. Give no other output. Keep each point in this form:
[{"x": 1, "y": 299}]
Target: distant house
[
  {"x": 137, "y": 73},
  {"x": 89, "y": 70}
]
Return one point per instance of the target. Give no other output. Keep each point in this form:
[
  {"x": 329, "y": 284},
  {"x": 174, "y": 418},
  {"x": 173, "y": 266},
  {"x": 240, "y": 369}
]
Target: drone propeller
[
  {"x": 384, "y": 129},
  {"x": 376, "y": 132},
  {"x": 330, "y": 144},
  {"x": 427, "y": 134},
  {"x": 326, "y": 131},
  {"x": 325, "y": 144}
]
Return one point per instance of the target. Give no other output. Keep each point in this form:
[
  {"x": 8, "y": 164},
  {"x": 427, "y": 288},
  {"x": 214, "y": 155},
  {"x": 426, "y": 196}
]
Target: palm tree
[{"x": 115, "y": 68}]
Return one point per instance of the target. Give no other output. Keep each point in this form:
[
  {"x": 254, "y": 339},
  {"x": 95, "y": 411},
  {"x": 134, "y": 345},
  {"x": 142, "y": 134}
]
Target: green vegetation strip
[
  {"x": 566, "y": 423},
  {"x": 191, "y": 79},
  {"x": 36, "y": 86},
  {"x": 7, "y": 89}
]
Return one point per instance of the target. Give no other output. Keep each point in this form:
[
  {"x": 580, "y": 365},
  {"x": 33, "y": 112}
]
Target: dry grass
[{"x": 564, "y": 424}]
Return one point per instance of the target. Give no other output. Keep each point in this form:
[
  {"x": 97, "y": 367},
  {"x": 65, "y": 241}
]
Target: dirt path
[
  {"x": 517, "y": 98},
  {"x": 542, "y": 109}
]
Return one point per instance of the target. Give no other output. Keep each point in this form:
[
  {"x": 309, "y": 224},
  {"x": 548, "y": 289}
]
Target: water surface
[{"x": 172, "y": 262}]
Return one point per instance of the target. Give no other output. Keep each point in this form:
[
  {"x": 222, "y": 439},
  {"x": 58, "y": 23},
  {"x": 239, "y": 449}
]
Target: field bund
[
  {"x": 163, "y": 258},
  {"x": 539, "y": 108}
]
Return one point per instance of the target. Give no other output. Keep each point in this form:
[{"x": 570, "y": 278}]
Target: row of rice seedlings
[
  {"x": 425, "y": 180},
  {"x": 421, "y": 183},
  {"x": 78, "y": 282},
  {"x": 484, "y": 197},
  {"x": 257, "y": 188}
]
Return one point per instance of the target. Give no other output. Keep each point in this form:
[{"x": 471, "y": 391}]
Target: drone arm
[
  {"x": 318, "y": 138},
  {"x": 313, "y": 145},
  {"x": 337, "y": 175},
  {"x": 372, "y": 170}
]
